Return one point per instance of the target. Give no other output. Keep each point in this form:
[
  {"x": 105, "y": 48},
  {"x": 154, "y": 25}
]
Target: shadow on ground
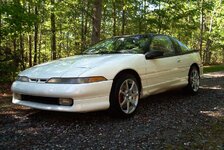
[{"x": 162, "y": 121}]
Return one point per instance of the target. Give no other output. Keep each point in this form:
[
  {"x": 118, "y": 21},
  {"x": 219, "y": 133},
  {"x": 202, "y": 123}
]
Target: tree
[
  {"x": 96, "y": 21},
  {"x": 32, "y": 32},
  {"x": 0, "y": 25},
  {"x": 53, "y": 32},
  {"x": 35, "y": 36},
  {"x": 123, "y": 17}
]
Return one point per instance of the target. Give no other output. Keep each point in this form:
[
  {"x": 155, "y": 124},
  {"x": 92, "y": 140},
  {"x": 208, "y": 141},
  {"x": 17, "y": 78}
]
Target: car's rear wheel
[
  {"x": 124, "y": 96},
  {"x": 193, "y": 80}
]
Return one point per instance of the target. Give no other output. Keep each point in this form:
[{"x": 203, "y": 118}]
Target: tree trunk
[
  {"x": 0, "y": 27},
  {"x": 30, "y": 50},
  {"x": 201, "y": 27},
  {"x": 86, "y": 26},
  {"x": 35, "y": 38},
  {"x": 61, "y": 38},
  {"x": 141, "y": 17},
  {"x": 53, "y": 33},
  {"x": 39, "y": 47},
  {"x": 30, "y": 45},
  {"x": 96, "y": 22},
  {"x": 114, "y": 17},
  {"x": 209, "y": 40},
  {"x": 160, "y": 19},
  {"x": 82, "y": 28},
  {"x": 207, "y": 53},
  {"x": 15, "y": 60},
  {"x": 21, "y": 43},
  {"x": 123, "y": 18},
  {"x": 67, "y": 44}
]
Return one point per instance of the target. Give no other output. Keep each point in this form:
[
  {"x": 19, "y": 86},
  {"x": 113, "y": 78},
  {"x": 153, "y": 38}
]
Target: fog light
[
  {"x": 17, "y": 96},
  {"x": 66, "y": 101}
]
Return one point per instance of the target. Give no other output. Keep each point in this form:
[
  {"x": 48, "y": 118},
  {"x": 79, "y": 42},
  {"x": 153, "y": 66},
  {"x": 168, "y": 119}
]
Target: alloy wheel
[
  {"x": 128, "y": 96},
  {"x": 194, "y": 80}
]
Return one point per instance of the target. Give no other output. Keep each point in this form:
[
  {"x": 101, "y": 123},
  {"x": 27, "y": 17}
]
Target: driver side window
[{"x": 164, "y": 44}]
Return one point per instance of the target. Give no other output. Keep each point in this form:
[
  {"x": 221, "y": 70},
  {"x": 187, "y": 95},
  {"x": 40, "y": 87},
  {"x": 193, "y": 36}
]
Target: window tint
[
  {"x": 137, "y": 44},
  {"x": 162, "y": 43},
  {"x": 182, "y": 48}
]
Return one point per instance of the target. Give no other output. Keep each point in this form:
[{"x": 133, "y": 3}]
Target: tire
[
  {"x": 193, "y": 80},
  {"x": 124, "y": 96}
]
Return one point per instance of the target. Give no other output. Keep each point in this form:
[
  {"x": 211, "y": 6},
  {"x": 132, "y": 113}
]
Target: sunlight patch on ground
[
  {"x": 216, "y": 112},
  {"x": 211, "y": 87},
  {"x": 5, "y": 94},
  {"x": 214, "y": 74}
]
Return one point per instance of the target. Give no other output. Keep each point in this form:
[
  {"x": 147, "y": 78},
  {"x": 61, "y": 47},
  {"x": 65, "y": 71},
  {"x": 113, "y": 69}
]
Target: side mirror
[{"x": 153, "y": 54}]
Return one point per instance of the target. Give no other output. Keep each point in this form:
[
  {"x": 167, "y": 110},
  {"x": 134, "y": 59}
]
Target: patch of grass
[
  {"x": 210, "y": 136},
  {"x": 213, "y": 68}
]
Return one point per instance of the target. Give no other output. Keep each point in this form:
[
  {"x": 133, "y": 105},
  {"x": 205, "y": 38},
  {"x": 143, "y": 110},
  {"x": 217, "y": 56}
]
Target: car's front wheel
[
  {"x": 124, "y": 96},
  {"x": 193, "y": 80}
]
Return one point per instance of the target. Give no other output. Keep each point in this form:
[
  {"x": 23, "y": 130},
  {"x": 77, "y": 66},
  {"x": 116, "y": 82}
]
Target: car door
[
  {"x": 161, "y": 72},
  {"x": 184, "y": 58}
]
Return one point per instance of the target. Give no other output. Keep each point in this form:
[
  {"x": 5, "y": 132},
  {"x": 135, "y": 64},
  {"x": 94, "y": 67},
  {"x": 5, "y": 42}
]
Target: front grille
[{"x": 39, "y": 99}]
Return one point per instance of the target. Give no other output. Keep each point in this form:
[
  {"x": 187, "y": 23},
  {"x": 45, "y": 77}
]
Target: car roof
[{"x": 147, "y": 34}]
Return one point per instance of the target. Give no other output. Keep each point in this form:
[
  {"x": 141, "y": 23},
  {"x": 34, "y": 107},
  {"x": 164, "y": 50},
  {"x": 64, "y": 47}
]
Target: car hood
[{"x": 68, "y": 67}]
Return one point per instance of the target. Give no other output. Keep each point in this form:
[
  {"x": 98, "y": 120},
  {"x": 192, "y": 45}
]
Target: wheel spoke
[
  {"x": 194, "y": 79},
  {"x": 132, "y": 85},
  {"x": 124, "y": 101},
  {"x": 135, "y": 94},
  {"x": 122, "y": 92},
  {"x": 128, "y": 106},
  {"x": 128, "y": 96},
  {"x": 133, "y": 102},
  {"x": 127, "y": 87}
]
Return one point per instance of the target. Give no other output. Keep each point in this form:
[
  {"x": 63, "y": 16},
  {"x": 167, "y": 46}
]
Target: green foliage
[
  {"x": 181, "y": 19},
  {"x": 213, "y": 68},
  {"x": 16, "y": 19}
]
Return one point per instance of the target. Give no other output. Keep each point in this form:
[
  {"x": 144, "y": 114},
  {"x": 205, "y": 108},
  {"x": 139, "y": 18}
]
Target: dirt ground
[{"x": 172, "y": 120}]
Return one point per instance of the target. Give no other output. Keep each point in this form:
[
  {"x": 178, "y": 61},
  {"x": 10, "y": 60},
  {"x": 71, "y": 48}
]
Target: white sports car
[{"x": 113, "y": 74}]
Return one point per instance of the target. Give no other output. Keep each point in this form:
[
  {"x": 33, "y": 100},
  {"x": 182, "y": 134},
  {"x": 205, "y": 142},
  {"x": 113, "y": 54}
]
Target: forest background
[{"x": 37, "y": 31}]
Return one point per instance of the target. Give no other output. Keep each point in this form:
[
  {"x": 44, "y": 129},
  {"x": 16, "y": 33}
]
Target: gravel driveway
[{"x": 161, "y": 122}]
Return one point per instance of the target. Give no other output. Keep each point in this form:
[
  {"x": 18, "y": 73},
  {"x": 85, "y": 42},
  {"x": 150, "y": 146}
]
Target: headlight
[
  {"x": 22, "y": 79},
  {"x": 77, "y": 80}
]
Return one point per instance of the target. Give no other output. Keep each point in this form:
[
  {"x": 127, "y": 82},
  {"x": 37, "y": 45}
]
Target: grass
[
  {"x": 213, "y": 68},
  {"x": 210, "y": 136}
]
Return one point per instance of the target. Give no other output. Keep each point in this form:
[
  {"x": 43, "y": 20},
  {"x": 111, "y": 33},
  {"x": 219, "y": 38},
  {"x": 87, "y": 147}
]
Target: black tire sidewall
[
  {"x": 114, "y": 100},
  {"x": 189, "y": 86}
]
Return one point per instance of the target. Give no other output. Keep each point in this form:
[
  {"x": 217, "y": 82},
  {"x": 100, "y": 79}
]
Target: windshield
[{"x": 132, "y": 44}]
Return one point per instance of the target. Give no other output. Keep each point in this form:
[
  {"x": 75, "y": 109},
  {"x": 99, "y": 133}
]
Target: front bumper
[{"x": 86, "y": 97}]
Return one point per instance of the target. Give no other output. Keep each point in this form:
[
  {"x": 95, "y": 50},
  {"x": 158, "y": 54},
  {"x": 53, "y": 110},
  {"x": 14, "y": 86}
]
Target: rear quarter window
[
  {"x": 182, "y": 48},
  {"x": 164, "y": 44}
]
